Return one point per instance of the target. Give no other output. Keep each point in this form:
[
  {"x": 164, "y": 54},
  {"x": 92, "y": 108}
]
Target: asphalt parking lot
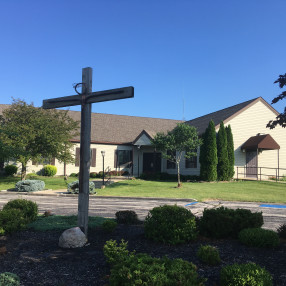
[{"x": 273, "y": 214}]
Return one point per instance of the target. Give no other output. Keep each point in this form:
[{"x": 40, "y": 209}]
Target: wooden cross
[{"x": 86, "y": 98}]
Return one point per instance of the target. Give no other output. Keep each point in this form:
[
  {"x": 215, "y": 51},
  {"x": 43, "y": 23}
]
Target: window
[
  {"x": 122, "y": 157},
  {"x": 92, "y": 157},
  {"x": 191, "y": 162},
  {"x": 170, "y": 164}
]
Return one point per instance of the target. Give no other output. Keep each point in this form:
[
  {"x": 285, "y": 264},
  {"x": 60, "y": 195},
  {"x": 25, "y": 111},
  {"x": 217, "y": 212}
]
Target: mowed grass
[
  {"x": 249, "y": 191},
  {"x": 54, "y": 183}
]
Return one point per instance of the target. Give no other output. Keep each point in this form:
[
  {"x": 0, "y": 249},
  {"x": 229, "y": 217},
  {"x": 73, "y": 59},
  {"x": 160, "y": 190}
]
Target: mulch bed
[{"x": 37, "y": 259}]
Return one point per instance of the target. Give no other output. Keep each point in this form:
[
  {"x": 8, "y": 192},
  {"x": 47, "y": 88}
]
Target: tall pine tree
[
  {"x": 230, "y": 151},
  {"x": 222, "y": 154},
  {"x": 208, "y": 154}
]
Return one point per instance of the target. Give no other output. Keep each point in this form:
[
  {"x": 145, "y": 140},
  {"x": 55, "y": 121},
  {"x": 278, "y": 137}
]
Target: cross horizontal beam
[{"x": 93, "y": 97}]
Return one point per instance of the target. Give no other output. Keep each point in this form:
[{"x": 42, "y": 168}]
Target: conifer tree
[
  {"x": 208, "y": 155},
  {"x": 223, "y": 164},
  {"x": 230, "y": 151}
]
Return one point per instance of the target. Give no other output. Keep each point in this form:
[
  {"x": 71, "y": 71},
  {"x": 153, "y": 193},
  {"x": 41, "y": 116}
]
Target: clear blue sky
[{"x": 210, "y": 54}]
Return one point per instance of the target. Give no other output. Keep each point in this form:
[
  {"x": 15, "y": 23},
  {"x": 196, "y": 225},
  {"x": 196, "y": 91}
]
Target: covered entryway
[
  {"x": 253, "y": 146},
  {"x": 151, "y": 162}
]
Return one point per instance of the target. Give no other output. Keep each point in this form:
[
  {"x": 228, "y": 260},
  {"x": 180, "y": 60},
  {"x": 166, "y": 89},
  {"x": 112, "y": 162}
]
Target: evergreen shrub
[
  {"x": 93, "y": 175},
  {"x": 126, "y": 217},
  {"x": 73, "y": 174},
  {"x": 222, "y": 154},
  {"x": 249, "y": 274},
  {"x": 73, "y": 188},
  {"x": 109, "y": 225},
  {"x": 30, "y": 186},
  {"x": 11, "y": 220},
  {"x": 282, "y": 231},
  {"x": 28, "y": 208},
  {"x": 10, "y": 170},
  {"x": 9, "y": 279},
  {"x": 141, "y": 269},
  {"x": 170, "y": 224},
  {"x": 49, "y": 170},
  {"x": 230, "y": 151},
  {"x": 224, "y": 222},
  {"x": 259, "y": 237},
  {"x": 209, "y": 255}
]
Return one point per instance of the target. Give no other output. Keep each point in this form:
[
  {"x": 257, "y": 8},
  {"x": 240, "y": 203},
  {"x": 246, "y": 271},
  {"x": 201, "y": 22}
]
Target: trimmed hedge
[
  {"x": 11, "y": 220},
  {"x": 249, "y": 274},
  {"x": 224, "y": 222},
  {"x": 30, "y": 186},
  {"x": 28, "y": 208},
  {"x": 170, "y": 224},
  {"x": 49, "y": 170},
  {"x": 126, "y": 217},
  {"x": 73, "y": 188},
  {"x": 259, "y": 237}
]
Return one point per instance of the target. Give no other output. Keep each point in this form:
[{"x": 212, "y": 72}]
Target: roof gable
[{"x": 226, "y": 114}]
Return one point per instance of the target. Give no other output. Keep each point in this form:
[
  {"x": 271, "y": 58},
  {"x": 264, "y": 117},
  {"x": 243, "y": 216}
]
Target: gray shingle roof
[{"x": 201, "y": 123}]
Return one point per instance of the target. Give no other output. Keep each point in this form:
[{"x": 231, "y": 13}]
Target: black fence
[{"x": 258, "y": 172}]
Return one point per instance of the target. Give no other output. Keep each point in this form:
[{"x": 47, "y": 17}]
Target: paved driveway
[{"x": 108, "y": 206}]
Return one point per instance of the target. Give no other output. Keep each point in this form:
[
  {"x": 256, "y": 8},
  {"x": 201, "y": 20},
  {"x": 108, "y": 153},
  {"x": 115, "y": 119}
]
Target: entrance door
[
  {"x": 251, "y": 164},
  {"x": 151, "y": 162}
]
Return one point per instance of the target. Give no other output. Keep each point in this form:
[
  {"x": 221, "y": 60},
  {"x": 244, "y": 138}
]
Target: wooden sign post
[{"x": 86, "y": 98}]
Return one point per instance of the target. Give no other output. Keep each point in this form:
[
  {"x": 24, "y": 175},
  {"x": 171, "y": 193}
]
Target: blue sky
[{"x": 200, "y": 55}]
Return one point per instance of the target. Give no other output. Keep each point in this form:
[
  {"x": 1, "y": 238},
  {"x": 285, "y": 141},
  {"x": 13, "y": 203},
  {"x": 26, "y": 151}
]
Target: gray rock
[{"x": 72, "y": 238}]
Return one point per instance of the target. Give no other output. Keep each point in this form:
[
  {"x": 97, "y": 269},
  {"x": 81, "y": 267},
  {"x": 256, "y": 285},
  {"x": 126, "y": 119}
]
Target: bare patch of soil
[{"x": 37, "y": 259}]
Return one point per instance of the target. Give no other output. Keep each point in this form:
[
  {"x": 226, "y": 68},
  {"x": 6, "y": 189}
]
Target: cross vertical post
[{"x": 84, "y": 167}]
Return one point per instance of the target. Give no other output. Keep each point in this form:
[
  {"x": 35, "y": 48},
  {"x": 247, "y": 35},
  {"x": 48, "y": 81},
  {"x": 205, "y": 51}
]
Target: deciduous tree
[
  {"x": 34, "y": 133},
  {"x": 281, "y": 118},
  {"x": 181, "y": 142}
]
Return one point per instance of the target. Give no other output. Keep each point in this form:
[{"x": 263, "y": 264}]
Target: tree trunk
[
  {"x": 178, "y": 170},
  {"x": 23, "y": 172}
]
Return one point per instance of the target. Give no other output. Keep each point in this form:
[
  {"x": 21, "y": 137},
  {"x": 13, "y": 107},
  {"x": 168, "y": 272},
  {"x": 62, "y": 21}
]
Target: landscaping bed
[{"x": 36, "y": 258}]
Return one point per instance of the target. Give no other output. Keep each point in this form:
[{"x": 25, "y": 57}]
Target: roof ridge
[{"x": 242, "y": 103}]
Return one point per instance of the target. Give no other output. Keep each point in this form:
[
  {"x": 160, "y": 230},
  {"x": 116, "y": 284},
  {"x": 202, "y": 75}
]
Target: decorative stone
[{"x": 72, "y": 238}]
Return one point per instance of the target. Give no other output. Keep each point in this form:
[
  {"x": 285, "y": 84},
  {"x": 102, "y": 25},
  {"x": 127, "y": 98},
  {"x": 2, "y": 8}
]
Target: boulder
[{"x": 72, "y": 238}]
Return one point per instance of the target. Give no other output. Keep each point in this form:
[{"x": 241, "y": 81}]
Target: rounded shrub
[
  {"x": 281, "y": 230},
  {"x": 126, "y": 217},
  {"x": 209, "y": 255},
  {"x": 73, "y": 174},
  {"x": 9, "y": 279},
  {"x": 259, "y": 237},
  {"x": 49, "y": 170},
  {"x": 109, "y": 225},
  {"x": 28, "y": 208},
  {"x": 224, "y": 222},
  {"x": 11, "y": 220},
  {"x": 93, "y": 175},
  {"x": 142, "y": 269},
  {"x": 249, "y": 274},
  {"x": 30, "y": 186},
  {"x": 170, "y": 224},
  {"x": 10, "y": 170},
  {"x": 73, "y": 187}
]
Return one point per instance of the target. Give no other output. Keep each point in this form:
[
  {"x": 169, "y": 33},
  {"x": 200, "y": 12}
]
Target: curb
[{"x": 3, "y": 192}]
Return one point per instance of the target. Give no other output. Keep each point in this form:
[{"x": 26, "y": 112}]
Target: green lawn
[
  {"x": 54, "y": 183},
  {"x": 249, "y": 191}
]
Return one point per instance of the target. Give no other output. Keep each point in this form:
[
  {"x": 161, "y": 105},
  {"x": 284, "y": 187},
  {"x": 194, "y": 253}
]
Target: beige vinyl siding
[{"x": 249, "y": 123}]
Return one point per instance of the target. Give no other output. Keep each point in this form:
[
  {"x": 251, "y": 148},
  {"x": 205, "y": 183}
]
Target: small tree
[
  {"x": 208, "y": 154},
  {"x": 181, "y": 142},
  {"x": 281, "y": 118},
  {"x": 230, "y": 151},
  {"x": 35, "y": 133},
  {"x": 223, "y": 164}
]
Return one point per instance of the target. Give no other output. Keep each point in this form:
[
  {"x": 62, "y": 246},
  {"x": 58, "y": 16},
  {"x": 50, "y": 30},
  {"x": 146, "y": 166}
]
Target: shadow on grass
[{"x": 121, "y": 184}]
